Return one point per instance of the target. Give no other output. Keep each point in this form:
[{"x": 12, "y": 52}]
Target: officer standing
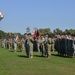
[
  {"x": 52, "y": 44},
  {"x": 26, "y": 46},
  {"x": 41, "y": 45},
  {"x": 47, "y": 46},
  {"x": 29, "y": 45}
]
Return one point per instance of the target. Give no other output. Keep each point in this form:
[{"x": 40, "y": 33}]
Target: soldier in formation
[
  {"x": 45, "y": 46},
  {"x": 29, "y": 45},
  {"x": 65, "y": 45}
]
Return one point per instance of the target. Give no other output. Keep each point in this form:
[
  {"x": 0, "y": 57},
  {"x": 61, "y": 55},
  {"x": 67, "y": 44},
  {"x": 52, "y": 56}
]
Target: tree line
[{"x": 42, "y": 31}]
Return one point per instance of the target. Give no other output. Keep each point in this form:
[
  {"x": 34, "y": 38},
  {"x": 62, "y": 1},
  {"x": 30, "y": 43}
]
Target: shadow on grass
[
  {"x": 14, "y": 51},
  {"x": 59, "y": 56},
  {"x": 23, "y": 56},
  {"x": 40, "y": 56},
  {"x": 37, "y": 56},
  {"x": 55, "y": 55},
  {"x": 11, "y": 50}
]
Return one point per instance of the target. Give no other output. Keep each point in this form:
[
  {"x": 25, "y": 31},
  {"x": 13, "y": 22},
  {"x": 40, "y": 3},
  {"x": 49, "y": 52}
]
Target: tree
[
  {"x": 44, "y": 31},
  {"x": 2, "y": 34},
  {"x": 27, "y": 30},
  {"x": 58, "y": 31},
  {"x": 70, "y": 31}
]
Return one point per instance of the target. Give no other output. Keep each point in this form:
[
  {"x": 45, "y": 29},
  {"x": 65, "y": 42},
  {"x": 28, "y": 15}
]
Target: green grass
[{"x": 15, "y": 63}]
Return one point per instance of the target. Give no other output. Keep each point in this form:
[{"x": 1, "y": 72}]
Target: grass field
[{"x": 15, "y": 63}]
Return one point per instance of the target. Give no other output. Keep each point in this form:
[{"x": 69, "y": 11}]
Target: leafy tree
[
  {"x": 70, "y": 31},
  {"x": 58, "y": 31},
  {"x": 2, "y": 34},
  {"x": 27, "y": 30},
  {"x": 44, "y": 31}
]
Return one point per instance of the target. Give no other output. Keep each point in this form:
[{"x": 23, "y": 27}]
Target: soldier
[
  {"x": 52, "y": 44},
  {"x": 47, "y": 46},
  {"x": 15, "y": 44},
  {"x": 16, "y": 39},
  {"x": 66, "y": 46},
  {"x": 10, "y": 43},
  {"x": 22, "y": 44},
  {"x": 29, "y": 45},
  {"x": 74, "y": 47},
  {"x": 19, "y": 45},
  {"x": 41, "y": 45},
  {"x": 25, "y": 44},
  {"x": 4, "y": 42},
  {"x": 58, "y": 44}
]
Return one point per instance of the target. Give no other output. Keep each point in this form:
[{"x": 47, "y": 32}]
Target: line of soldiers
[
  {"x": 13, "y": 44},
  {"x": 44, "y": 44},
  {"x": 65, "y": 45}
]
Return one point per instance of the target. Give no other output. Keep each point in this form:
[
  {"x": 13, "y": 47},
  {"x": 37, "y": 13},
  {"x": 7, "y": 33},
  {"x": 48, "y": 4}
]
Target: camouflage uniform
[
  {"x": 47, "y": 46},
  {"x": 74, "y": 47},
  {"x": 41, "y": 46},
  {"x": 15, "y": 44},
  {"x": 29, "y": 47},
  {"x": 10, "y": 44},
  {"x": 22, "y": 44},
  {"x": 52, "y": 45}
]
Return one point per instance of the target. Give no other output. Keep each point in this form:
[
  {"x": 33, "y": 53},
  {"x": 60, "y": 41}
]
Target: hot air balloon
[{"x": 1, "y": 16}]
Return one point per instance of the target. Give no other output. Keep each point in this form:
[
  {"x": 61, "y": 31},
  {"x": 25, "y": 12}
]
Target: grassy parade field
[{"x": 16, "y": 63}]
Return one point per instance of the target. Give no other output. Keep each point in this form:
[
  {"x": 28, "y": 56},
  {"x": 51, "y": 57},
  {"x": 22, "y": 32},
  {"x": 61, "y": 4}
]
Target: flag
[{"x": 36, "y": 34}]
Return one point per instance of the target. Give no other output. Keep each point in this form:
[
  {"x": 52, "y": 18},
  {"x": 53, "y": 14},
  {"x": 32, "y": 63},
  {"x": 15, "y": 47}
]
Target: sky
[{"x": 20, "y": 14}]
